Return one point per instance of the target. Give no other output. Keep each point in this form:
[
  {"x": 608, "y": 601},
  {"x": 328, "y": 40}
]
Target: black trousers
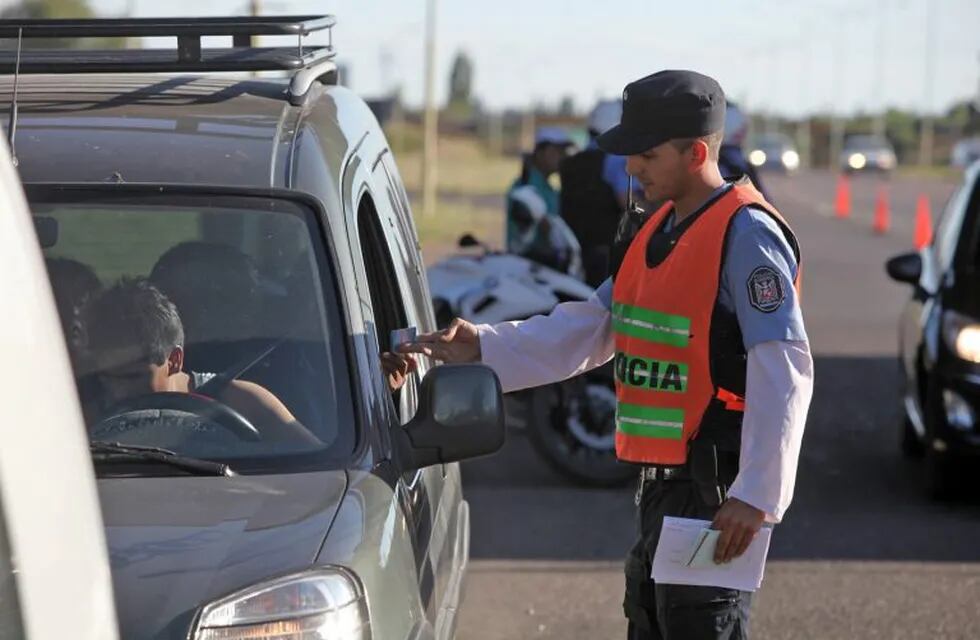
[{"x": 676, "y": 612}]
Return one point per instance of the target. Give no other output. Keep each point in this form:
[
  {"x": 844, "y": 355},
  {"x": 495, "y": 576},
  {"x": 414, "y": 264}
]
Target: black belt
[{"x": 665, "y": 473}]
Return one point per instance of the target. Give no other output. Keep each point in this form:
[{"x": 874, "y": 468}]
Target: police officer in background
[
  {"x": 731, "y": 157},
  {"x": 713, "y": 368},
  {"x": 594, "y": 188}
]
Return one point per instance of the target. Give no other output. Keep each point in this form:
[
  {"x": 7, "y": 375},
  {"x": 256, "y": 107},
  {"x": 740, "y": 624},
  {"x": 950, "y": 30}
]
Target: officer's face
[{"x": 662, "y": 171}]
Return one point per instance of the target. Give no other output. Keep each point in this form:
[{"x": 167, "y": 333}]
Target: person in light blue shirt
[{"x": 531, "y": 198}]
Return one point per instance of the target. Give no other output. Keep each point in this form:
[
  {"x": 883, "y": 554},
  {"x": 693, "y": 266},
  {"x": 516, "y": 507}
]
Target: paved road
[{"x": 862, "y": 554}]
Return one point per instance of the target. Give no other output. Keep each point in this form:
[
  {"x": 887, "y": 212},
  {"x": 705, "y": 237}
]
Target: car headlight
[
  {"x": 757, "y": 157},
  {"x": 856, "y": 161},
  {"x": 791, "y": 159},
  {"x": 325, "y": 604},
  {"x": 959, "y": 413},
  {"x": 887, "y": 160},
  {"x": 962, "y": 335}
]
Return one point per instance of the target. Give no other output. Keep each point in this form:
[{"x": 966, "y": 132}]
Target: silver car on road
[{"x": 230, "y": 258}]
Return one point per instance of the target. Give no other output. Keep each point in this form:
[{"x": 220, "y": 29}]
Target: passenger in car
[
  {"x": 133, "y": 338},
  {"x": 397, "y": 367},
  {"x": 216, "y": 290},
  {"x": 73, "y": 283}
]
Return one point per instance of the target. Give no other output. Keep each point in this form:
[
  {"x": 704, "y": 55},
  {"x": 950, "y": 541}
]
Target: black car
[{"x": 940, "y": 341}]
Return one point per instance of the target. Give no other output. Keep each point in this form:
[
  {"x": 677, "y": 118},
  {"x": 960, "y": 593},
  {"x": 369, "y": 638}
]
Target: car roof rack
[{"x": 309, "y": 63}]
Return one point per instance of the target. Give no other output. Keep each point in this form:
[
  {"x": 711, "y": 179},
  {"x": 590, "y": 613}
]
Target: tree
[
  {"x": 47, "y": 9},
  {"x": 461, "y": 81}
]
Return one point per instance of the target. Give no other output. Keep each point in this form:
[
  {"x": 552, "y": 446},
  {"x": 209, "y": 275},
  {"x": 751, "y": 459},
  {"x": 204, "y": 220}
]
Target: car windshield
[
  {"x": 773, "y": 142},
  {"x": 203, "y": 325},
  {"x": 870, "y": 143}
]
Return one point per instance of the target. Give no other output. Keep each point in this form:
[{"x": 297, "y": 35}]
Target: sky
[{"x": 774, "y": 56}]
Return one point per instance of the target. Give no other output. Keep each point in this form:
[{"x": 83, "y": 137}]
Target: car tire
[
  {"x": 940, "y": 466},
  {"x": 910, "y": 443},
  {"x": 940, "y": 475}
]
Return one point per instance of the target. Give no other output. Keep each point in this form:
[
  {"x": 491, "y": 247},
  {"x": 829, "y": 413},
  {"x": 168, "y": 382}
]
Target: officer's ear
[{"x": 700, "y": 152}]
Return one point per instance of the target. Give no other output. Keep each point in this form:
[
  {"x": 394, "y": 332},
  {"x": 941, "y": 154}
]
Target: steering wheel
[{"x": 205, "y": 407}]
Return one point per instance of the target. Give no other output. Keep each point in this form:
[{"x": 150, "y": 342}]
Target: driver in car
[{"x": 134, "y": 338}]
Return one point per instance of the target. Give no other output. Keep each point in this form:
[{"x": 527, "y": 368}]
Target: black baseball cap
[{"x": 664, "y": 106}]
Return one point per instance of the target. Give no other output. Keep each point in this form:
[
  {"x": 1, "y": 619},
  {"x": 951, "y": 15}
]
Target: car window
[
  {"x": 174, "y": 307},
  {"x": 971, "y": 227},
  {"x": 866, "y": 142},
  {"x": 10, "y": 622},
  {"x": 411, "y": 249},
  {"x": 948, "y": 229},
  {"x": 387, "y": 305}
]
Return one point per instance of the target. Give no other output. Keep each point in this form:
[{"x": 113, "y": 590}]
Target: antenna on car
[{"x": 12, "y": 125}]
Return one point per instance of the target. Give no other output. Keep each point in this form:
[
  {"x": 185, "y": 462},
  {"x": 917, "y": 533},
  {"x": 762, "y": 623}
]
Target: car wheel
[
  {"x": 940, "y": 466},
  {"x": 910, "y": 443},
  {"x": 940, "y": 475}
]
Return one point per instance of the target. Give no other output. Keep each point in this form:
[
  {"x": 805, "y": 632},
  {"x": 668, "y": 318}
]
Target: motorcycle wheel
[{"x": 572, "y": 426}]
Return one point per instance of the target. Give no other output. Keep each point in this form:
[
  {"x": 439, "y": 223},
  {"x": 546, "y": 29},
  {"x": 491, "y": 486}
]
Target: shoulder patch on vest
[{"x": 766, "y": 290}]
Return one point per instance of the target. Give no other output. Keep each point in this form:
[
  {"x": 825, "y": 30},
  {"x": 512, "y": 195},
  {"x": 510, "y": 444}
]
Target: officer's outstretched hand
[
  {"x": 458, "y": 343},
  {"x": 738, "y": 523}
]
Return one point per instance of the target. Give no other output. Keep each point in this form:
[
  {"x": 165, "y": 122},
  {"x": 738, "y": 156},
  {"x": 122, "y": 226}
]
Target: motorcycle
[{"x": 571, "y": 424}]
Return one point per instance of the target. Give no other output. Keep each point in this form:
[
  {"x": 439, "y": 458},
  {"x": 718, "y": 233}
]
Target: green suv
[{"x": 231, "y": 259}]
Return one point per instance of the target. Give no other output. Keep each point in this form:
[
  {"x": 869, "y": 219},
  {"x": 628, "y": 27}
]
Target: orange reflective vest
[{"x": 662, "y": 320}]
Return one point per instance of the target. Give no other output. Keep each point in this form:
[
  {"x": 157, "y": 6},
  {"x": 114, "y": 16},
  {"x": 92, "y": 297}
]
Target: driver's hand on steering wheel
[{"x": 397, "y": 367}]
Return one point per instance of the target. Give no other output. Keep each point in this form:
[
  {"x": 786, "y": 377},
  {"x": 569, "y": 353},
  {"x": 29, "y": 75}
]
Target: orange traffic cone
[
  {"x": 842, "y": 203},
  {"x": 882, "y": 214},
  {"x": 923, "y": 223}
]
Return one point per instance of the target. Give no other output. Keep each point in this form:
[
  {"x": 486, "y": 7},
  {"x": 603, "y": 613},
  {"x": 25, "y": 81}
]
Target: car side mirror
[
  {"x": 460, "y": 415},
  {"x": 467, "y": 240},
  {"x": 905, "y": 268}
]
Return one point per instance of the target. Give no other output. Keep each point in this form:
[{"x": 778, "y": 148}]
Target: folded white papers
[{"x": 685, "y": 555}]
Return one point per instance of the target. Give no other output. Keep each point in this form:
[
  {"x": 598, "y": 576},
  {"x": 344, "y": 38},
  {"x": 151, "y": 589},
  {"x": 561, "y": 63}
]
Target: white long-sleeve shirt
[{"x": 577, "y": 336}]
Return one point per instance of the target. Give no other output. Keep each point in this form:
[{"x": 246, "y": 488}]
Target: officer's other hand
[
  {"x": 738, "y": 523},
  {"x": 458, "y": 343},
  {"x": 396, "y": 368}
]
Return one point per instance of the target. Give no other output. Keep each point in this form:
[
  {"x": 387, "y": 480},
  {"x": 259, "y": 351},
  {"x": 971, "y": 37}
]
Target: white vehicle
[{"x": 54, "y": 570}]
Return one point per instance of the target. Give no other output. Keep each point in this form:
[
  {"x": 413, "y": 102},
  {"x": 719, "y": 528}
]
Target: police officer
[
  {"x": 594, "y": 188},
  {"x": 714, "y": 373},
  {"x": 731, "y": 159}
]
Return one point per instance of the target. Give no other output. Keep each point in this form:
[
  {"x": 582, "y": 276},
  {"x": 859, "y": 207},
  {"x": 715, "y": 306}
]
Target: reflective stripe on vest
[
  {"x": 647, "y": 324},
  {"x": 661, "y": 320}
]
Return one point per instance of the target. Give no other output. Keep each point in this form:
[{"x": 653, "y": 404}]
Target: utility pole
[
  {"x": 837, "y": 118},
  {"x": 772, "y": 59},
  {"x": 803, "y": 133},
  {"x": 431, "y": 135},
  {"x": 528, "y": 125},
  {"x": 879, "y": 125},
  {"x": 131, "y": 42},
  {"x": 495, "y": 133},
  {"x": 927, "y": 135}
]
